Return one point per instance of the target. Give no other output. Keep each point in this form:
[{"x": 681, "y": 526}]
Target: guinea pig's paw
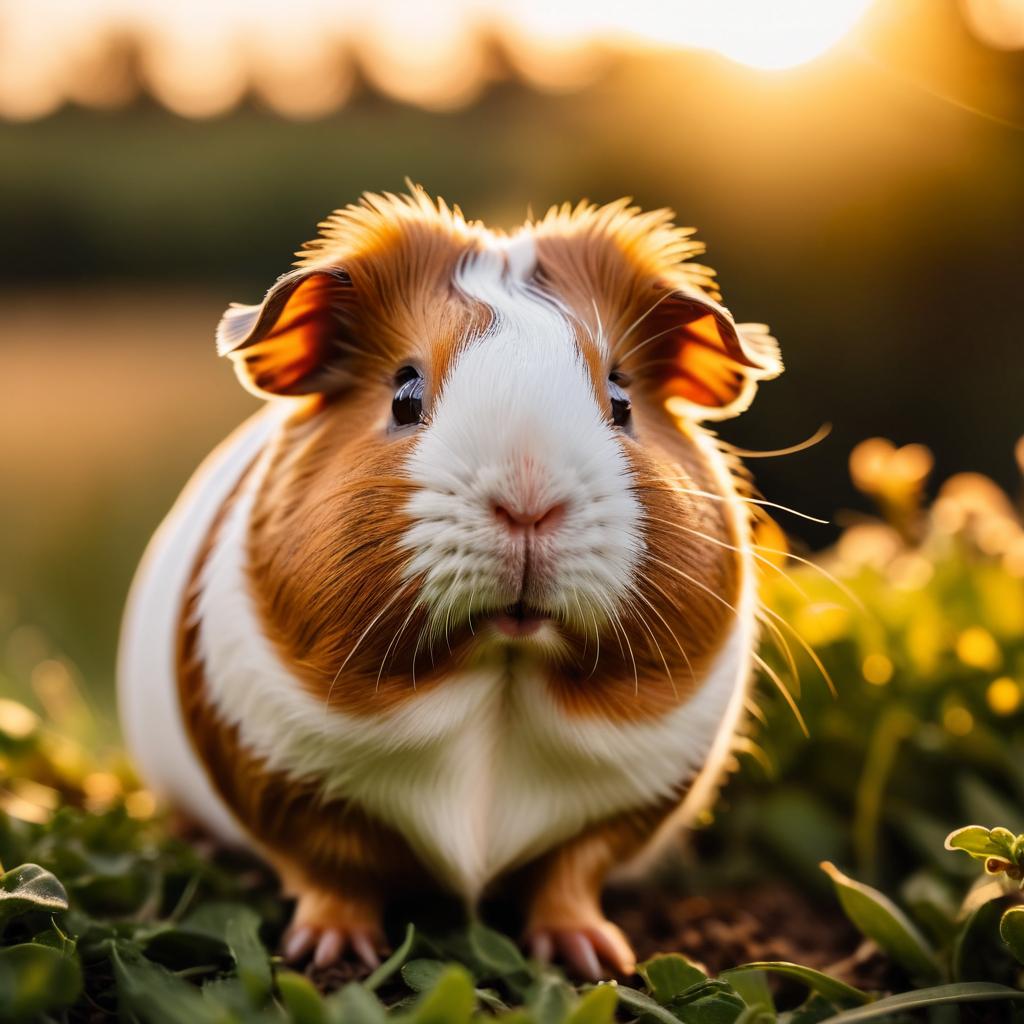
[
  {"x": 330, "y": 928},
  {"x": 594, "y": 948}
]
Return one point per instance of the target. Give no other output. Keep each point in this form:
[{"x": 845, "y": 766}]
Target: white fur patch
[
  {"x": 517, "y": 423},
  {"x": 479, "y": 773},
  {"x": 147, "y": 669}
]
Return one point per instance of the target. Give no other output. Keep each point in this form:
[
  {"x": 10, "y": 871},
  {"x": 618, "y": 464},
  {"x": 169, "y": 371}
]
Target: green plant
[
  {"x": 1002, "y": 853},
  {"x": 918, "y": 620}
]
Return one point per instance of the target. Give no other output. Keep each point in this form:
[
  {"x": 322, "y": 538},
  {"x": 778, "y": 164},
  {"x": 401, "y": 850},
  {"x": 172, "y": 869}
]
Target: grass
[{"x": 918, "y": 619}]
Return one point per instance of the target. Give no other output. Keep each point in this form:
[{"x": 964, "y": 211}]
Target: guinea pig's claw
[
  {"x": 329, "y": 945},
  {"x": 591, "y": 951},
  {"x": 298, "y": 943},
  {"x": 363, "y": 946}
]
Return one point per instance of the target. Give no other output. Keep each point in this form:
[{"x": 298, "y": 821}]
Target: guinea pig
[{"x": 470, "y": 601}]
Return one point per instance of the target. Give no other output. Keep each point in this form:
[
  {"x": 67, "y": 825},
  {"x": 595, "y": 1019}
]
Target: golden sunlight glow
[
  {"x": 201, "y": 59},
  {"x": 770, "y": 36},
  {"x": 16, "y": 720},
  {"x": 101, "y": 789},
  {"x": 1004, "y": 695},
  {"x": 140, "y": 804},
  {"x": 877, "y": 669},
  {"x": 977, "y": 648},
  {"x": 998, "y": 23}
]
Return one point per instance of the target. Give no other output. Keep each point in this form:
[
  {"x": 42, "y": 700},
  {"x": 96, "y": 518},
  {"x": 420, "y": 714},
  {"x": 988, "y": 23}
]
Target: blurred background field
[
  {"x": 868, "y": 204},
  {"x": 855, "y": 168}
]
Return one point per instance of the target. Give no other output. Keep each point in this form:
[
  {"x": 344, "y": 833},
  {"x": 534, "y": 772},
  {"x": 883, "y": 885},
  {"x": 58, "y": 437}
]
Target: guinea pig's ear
[
  {"x": 290, "y": 343},
  {"x": 698, "y": 360}
]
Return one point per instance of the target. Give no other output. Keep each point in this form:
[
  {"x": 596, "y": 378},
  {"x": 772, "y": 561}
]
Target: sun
[{"x": 765, "y": 34}]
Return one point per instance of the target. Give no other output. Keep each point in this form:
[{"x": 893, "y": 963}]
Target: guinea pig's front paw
[
  {"x": 593, "y": 947},
  {"x": 330, "y": 927}
]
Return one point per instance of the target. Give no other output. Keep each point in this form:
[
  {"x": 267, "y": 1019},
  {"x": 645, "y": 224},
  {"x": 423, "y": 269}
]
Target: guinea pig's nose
[{"x": 518, "y": 520}]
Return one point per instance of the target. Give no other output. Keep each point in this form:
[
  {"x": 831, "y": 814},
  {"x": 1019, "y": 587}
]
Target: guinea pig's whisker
[
  {"x": 639, "y": 320},
  {"x": 650, "y": 604},
  {"x": 613, "y": 620},
  {"x": 755, "y": 710},
  {"x": 786, "y": 695},
  {"x": 355, "y": 646},
  {"x": 747, "y": 745},
  {"x": 682, "y": 650},
  {"x": 697, "y": 583},
  {"x": 822, "y": 571},
  {"x": 415, "y": 653},
  {"x": 810, "y": 651},
  {"x": 803, "y": 643},
  {"x": 394, "y": 641},
  {"x": 657, "y": 649},
  {"x": 782, "y": 645},
  {"x": 654, "y": 337},
  {"x": 711, "y": 496},
  {"x": 725, "y": 544},
  {"x": 770, "y": 672},
  {"x": 616, "y": 623},
  {"x": 583, "y": 623},
  {"x": 620, "y": 628},
  {"x": 586, "y": 632},
  {"x": 801, "y": 446},
  {"x": 601, "y": 338}
]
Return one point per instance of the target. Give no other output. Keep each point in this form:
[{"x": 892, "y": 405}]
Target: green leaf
[
  {"x": 451, "y": 1001},
  {"x": 422, "y": 975},
  {"x": 393, "y": 962},
  {"x": 301, "y": 1000},
  {"x": 549, "y": 999},
  {"x": 354, "y": 1004},
  {"x": 961, "y": 992},
  {"x": 979, "y": 842},
  {"x": 207, "y": 933},
  {"x": 643, "y": 1005},
  {"x": 669, "y": 975},
  {"x": 178, "y": 948},
  {"x": 752, "y": 987},
  {"x": 30, "y": 887},
  {"x": 491, "y": 999},
  {"x": 813, "y": 1010},
  {"x": 1011, "y": 931},
  {"x": 717, "y": 1007},
  {"x": 756, "y": 1014},
  {"x": 249, "y": 954},
  {"x": 878, "y": 918},
  {"x": 973, "y": 941},
  {"x": 494, "y": 955},
  {"x": 156, "y": 996},
  {"x": 833, "y": 989},
  {"x": 596, "y": 1007},
  {"x": 36, "y": 979}
]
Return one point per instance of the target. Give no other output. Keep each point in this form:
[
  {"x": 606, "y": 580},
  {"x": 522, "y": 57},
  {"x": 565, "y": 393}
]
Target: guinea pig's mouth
[{"x": 520, "y": 620}]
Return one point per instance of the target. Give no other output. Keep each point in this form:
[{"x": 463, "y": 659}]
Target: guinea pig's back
[{"x": 150, "y": 711}]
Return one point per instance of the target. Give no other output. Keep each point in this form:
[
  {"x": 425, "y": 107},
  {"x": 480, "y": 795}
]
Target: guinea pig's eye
[
  {"x": 621, "y": 405},
  {"x": 407, "y": 405}
]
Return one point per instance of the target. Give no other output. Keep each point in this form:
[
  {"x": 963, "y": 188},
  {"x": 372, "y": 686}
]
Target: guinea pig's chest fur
[{"x": 478, "y": 773}]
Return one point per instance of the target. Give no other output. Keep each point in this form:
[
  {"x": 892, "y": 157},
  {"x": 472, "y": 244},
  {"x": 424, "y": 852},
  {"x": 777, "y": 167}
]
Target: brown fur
[
  {"x": 331, "y": 844},
  {"x": 372, "y": 294},
  {"x": 331, "y": 481}
]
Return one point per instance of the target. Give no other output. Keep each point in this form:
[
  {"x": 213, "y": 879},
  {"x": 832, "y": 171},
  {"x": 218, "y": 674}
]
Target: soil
[{"x": 724, "y": 929}]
